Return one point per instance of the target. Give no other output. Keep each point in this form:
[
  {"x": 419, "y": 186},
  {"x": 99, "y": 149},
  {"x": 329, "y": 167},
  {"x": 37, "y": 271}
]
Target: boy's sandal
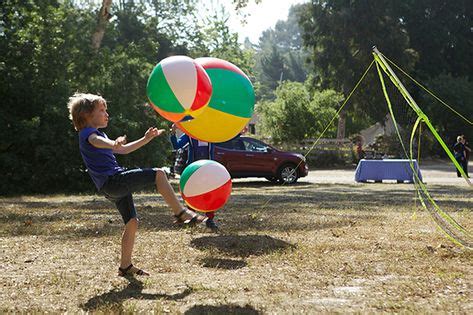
[
  {"x": 190, "y": 222},
  {"x": 123, "y": 272}
]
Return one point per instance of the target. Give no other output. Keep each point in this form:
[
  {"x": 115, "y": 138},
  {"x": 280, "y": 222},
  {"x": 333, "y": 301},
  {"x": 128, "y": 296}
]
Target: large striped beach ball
[
  {"x": 179, "y": 88},
  {"x": 205, "y": 185},
  {"x": 231, "y": 104}
]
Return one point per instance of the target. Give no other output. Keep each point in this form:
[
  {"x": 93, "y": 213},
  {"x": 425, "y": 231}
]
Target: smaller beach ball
[
  {"x": 205, "y": 185},
  {"x": 179, "y": 88}
]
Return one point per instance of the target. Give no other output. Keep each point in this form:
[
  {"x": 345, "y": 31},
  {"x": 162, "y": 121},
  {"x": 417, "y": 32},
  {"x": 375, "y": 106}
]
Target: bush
[
  {"x": 322, "y": 159},
  {"x": 296, "y": 114}
]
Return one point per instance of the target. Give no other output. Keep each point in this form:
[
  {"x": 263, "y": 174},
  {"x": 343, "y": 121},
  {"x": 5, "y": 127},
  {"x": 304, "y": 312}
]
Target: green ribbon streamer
[
  {"x": 428, "y": 91},
  {"x": 420, "y": 113},
  {"x": 445, "y": 222}
]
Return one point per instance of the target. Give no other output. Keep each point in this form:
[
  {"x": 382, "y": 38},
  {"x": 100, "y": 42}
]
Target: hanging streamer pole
[
  {"x": 453, "y": 230},
  {"x": 428, "y": 91},
  {"x": 446, "y": 223},
  {"x": 389, "y": 71}
]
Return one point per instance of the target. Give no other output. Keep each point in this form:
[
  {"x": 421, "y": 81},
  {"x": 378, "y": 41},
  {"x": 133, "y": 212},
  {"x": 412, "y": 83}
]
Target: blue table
[{"x": 389, "y": 169}]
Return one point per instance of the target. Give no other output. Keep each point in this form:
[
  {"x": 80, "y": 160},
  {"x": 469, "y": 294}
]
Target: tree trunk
[
  {"x": 341, "y": 125},
  {"x": 103, "y": 17}
]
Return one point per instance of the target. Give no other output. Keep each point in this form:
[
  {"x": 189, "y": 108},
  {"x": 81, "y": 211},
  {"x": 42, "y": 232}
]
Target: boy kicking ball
[{"x": 88, "y": 113}]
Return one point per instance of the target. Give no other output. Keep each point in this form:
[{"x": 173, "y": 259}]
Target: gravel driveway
[{"x": 433, "y": 172}]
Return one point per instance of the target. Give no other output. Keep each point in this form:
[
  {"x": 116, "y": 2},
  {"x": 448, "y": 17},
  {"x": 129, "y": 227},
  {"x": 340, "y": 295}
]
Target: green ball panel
[
  {"x": 188, "y": 171},
  {"x": 160, "y": 93},
  {"x": 232, "y": 93}
]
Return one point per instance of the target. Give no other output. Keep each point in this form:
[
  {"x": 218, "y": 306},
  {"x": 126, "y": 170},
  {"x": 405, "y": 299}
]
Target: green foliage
[
  {"x": 37, "y": 42},
  {"x": 456, "y": 92},
  {"x": 341, "y": 35},
  {"x": 391, "y": 146},
  {"x": 321, "y": 159},
  {"x": 47, "y": 56},
  {"x": 280, "y": 56},
  {"x": 273, "y": 67},
  {"x": 242, "y": 3},
  {"x": 217, "y": 40},
  {"x": 440, "y": 32},
  {"x": 297, "y": 114}
]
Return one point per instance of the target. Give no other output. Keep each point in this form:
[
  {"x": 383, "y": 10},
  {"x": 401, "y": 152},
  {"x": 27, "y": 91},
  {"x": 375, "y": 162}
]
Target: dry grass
[{"x": 312, "y": 248}]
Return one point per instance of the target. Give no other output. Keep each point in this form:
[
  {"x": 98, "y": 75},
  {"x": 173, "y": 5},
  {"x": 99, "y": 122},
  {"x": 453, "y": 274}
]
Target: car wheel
[{"x": 287, "y": 174}]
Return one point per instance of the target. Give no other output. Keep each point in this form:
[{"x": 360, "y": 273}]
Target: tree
[
  {"x": 103, "y": 17},
  {"x": 217, "y": 40},
  {"x": 46, "y": 58},
  {"x": 37, "y": 40},
  {"x": 239, "y": 4},
  {"x": 273, "y": 70},
  {"x": 440, "y": 31},
  {"x": 340, "y": 34},
  {"x": 296, "y": 113},
  {"x": 280, "y": 55},
  {"x": 457, "y": 92}
]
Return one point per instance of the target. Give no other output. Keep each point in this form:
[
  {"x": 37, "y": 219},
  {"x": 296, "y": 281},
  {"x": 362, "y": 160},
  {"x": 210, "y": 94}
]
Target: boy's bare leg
[
  {"x": 165, "y": 189},
  {"x": 128, "y": 242}
]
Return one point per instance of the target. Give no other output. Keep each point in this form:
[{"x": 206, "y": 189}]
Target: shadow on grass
[
  {"x": 112, "y": 301},
  {"x": 94, "y": 203},
  {"x": 221, "y": 309},
  {"x": 314, "y": 197},
  {"x": 265, "y": 184},
  {"x": 242, "y": 245},
  {"x": 253, "y": 206},
  {"x": 457, "y": 206},
  {"x": 73, "y": 223},
  {"x": 228, "y": 264}
]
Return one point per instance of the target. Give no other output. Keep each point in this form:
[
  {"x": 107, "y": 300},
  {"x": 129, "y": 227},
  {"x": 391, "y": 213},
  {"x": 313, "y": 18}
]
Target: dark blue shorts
[{"x": 119, "y": 189}]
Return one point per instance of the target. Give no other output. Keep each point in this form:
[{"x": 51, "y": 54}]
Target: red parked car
[{"x": 249, "y": 157}]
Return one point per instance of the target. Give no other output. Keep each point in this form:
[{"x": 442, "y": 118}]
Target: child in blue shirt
[
  {"x": 461, "y": 153},
  {"x": 196, "y": 150},
  {"x": 88, "y": 113}
]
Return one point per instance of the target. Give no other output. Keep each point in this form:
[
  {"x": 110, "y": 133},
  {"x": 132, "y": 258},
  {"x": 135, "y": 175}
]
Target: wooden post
[{"x": 341, "y": 124}]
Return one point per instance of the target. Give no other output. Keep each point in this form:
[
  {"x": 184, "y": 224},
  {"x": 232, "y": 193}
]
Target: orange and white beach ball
[{"x": 179, "y": 88}]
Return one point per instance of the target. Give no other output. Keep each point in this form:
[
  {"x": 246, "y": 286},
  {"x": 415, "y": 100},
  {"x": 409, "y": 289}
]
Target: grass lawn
[{"x": 304, "y": 248}]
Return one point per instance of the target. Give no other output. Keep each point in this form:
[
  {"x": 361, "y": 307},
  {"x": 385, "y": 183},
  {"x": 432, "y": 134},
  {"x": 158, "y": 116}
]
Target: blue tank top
[{"x": 100, "y": 163}]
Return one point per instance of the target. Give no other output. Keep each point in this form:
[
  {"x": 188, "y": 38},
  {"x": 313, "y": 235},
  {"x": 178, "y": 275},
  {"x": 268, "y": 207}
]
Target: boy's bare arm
[
  {"x": 120, "y": 146},
  {"x": 105, "y": 143},
  {"x": 125, "y": 148},
  {"x": 150, "y": 134}
]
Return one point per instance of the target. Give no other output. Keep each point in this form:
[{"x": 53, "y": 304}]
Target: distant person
[
  {"x": 460, "y": 153},
  {"x": 196, "y": 150},
  {"x": 467, "y": 153},
  {"x": 359, "y": 150},
  {"x": 88, "y": 113},
  {"x": 468, "y": 149}
]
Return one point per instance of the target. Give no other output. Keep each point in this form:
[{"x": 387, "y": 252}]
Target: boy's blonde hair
[
  {"x": 459, "y": 138},
  {"x": 81, "y": 105}
]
